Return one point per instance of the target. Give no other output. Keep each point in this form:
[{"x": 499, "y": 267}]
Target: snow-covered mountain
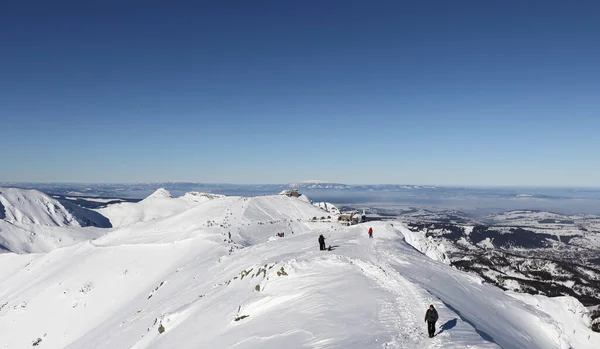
[
  {"x": 159, "y": 204},
  {"x": 215, "y": 275},
  {"x": 33, "y": 207},
  {"x": 31, "y": 221}
]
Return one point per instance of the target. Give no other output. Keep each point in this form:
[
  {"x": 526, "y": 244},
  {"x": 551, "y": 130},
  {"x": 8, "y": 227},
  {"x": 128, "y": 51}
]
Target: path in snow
[{"x": 403, "y": 311}]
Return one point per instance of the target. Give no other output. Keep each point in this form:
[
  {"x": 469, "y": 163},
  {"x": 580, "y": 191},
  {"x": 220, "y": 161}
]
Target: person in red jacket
[{"x": 370, "y": 232}]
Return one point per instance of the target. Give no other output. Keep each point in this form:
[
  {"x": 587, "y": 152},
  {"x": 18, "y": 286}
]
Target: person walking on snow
[
  {"x": 322, "y": 242},
  {"x": 431, "y": 316},
  {"x": 370, "y": 232}
]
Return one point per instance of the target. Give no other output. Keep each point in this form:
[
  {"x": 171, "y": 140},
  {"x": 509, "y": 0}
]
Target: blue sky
[{"x": 424, "y": 92}]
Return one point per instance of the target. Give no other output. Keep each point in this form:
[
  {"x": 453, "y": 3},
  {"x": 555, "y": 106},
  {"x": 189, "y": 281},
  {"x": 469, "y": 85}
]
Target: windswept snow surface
[{"x": 179, "y": 281}]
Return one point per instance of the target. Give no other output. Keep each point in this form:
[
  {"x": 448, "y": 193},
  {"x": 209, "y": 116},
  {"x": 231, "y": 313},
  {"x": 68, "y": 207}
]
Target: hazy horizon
[
  {"x": 472, "y": 186},
  {"x": 474, "y": 200}
]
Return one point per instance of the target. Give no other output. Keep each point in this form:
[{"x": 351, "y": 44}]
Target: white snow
[{"x": 179, "y": 281}]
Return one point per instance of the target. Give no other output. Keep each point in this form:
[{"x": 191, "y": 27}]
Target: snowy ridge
[
  {"x": 160, "y": 193},
  {"x": 215, "y": 275}
]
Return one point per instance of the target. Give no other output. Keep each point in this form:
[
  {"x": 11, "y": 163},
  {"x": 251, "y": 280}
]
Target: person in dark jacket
[
  {"x": 431, "y": 316},
  {"x": 322, "y": 242}
]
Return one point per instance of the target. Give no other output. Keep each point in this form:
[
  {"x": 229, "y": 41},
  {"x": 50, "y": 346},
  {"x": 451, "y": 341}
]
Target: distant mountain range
[
  {"x": 141, "y": 190},
  {"x": 312, "y": 184}
]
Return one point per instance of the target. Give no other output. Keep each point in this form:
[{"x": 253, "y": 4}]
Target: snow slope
[{"x": 179, "y": 281}]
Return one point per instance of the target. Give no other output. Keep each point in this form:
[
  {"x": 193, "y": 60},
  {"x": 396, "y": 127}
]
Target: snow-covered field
[{"x": 210, "y": 272}]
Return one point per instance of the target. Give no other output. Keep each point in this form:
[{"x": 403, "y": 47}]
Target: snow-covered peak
[{"x": 160, "y": 193}]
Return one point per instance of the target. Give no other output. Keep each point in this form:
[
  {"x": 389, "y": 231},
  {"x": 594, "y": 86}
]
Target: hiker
[
  {"x": 322, "y": 242},
  {"x": 371, "y": 233},
  {"x": 431, "y": 316}
]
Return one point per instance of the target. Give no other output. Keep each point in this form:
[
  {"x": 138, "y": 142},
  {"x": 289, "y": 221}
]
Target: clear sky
[{"x": 420, "y": 92}]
